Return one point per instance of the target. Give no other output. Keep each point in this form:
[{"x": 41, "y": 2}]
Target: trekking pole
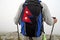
[
  {"x": 51, "y": 32},
  {"x": 18, "y": 32}
]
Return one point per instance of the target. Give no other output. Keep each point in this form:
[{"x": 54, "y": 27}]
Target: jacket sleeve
[
  {"x": 16, "y": 18},
  {"x": 46, "y": 14}
]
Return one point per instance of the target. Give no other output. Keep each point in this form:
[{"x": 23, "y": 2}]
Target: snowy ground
[{"x": 13, "y": 36}]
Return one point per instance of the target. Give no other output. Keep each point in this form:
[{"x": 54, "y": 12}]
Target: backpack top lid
[{"x": 33, "y": 0}]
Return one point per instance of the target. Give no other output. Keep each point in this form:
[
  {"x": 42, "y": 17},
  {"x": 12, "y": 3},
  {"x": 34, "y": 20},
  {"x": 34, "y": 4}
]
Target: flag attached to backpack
[{"x": 31, "y": 19}]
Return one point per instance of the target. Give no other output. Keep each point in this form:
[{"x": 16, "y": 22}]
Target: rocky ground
[{"x": 13, "y": 36}]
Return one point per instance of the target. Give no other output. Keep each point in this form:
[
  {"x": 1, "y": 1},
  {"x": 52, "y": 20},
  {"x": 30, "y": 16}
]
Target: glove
[{"x": 55, "y": 20}]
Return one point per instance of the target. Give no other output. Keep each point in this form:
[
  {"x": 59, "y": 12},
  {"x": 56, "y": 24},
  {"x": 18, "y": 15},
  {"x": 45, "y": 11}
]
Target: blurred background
[{"x": 9, "y": 8}]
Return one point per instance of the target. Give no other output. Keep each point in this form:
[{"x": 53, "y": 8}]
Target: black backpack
[{"x": 31, "y": 19}]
